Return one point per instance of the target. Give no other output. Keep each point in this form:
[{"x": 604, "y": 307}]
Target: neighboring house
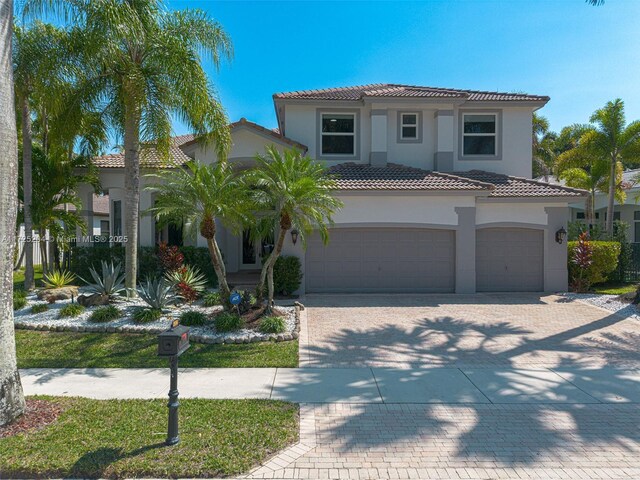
[
  {"x": 436, "y": 185},
  {"x": 629, "y": 212}
]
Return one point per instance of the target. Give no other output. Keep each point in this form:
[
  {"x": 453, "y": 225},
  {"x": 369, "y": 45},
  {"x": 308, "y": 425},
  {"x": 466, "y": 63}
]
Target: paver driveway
[{"x": 508, "y": 330}]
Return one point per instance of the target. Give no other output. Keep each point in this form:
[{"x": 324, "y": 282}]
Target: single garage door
[
  {"x": 381, "y": 260},
  {"x": 509, "y": 260}
]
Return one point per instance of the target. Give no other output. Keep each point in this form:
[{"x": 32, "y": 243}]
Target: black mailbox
[{"x": 173, "y": 342}]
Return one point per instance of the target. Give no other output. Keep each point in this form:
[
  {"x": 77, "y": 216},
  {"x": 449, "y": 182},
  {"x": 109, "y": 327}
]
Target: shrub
[
  {"x": 187, "y": 281},
  {"x": 193, "y": 318},
  {"x": 228, "y": 322},
  {"x": 199, "y": 257},
  {"x": 19, "y": 299},
  {"x": 146, "y": 315},
  {"x": 287, "y": 275},
  {"x": 110, "y": 282},
  {"x": 58, "y": 279},
  {"x": 84, "y": 258},
  {"x": 70, "y": 310},
  {"x": 604, "y": 259},
  {"x": 39, "y": 308},
  {"x": 247, "y": 301},
  {"x": 170, "y": 257},
  {"x": 104, "y": 314},
  {"x": 212, "y": 299},
  {"x": 157, "y": 293},
  {"x": 272, "y": 325}
]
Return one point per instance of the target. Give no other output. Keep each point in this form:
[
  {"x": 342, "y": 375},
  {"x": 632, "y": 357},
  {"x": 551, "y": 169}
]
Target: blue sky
[{"x": 579, "y": 55}]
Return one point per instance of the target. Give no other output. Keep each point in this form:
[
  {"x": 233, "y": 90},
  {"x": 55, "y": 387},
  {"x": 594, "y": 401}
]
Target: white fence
[{"x": 35, "y": 242}]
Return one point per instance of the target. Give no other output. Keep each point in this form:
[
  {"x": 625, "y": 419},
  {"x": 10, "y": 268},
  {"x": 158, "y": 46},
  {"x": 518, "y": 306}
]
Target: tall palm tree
[
  {"x": 543, "y": 147},
  {"x": 290, "y": 191},
  {"x": 142, "y": 64},
  {"x": 197, "y": 196},
  {"x": 612, "y": 140},
  {"x": 12, "y": 402}
]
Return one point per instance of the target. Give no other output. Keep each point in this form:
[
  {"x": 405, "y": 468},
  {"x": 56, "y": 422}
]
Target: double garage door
[{"x": 421, "y": 260}]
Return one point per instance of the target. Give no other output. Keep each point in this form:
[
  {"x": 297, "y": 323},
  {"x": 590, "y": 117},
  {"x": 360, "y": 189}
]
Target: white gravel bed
[
  {"x": 48, "y": 320},
  {"x": 608, "y": 302}
]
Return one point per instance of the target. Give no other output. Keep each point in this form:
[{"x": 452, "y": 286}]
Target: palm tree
[
  {"x": 142, "y": 64},
  {"x": 197, "y": 196},
  {"x": 543, "y": 147},
  {"x": 290, "y": 191},
  {"x": 12, "y": 402},
  {"x": 610, "y": 139}
]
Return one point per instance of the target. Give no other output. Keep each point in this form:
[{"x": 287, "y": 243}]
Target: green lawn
[
  {"x": 85, "y": 350},
  {"x": 125, "y": 438},
  {"x": 614, "y": 288},
  {"x": 18, "y": 277}
]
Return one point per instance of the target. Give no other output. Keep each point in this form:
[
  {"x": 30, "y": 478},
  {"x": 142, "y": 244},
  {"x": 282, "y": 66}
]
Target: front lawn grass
[
  {"x": 125, "y": 439},
  {"x": 614, "y": 288},
  {"x": 18, "y": 277},
  {"x": 123, "y": 350}
]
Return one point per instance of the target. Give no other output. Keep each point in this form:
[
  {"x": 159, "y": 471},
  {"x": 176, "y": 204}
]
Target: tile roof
[
  {"x": 273, "y": 132},
  {"x": 353, "y": 176},
  {"x": 100, "y": 205},
  {"x": 508, "y": 186},
  {"x": 397, "y": 90}
]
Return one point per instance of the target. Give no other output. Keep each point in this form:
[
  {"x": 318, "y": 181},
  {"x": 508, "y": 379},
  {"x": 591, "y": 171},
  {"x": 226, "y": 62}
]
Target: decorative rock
[
  {"x": 295, "y": 335},
  {"x": 52, "y": 294},
  {"x": 287, "y": 336},
  {"x": 93, "y": 300},
  {"x": 73, "y": 328},
  {"x": 280, "y": 337},
  {"x": 299, "y": 305}
]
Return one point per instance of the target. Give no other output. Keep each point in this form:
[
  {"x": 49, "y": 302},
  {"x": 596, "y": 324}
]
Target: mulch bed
[
  {"x": 38, "y": 414},
  {"x": 253, "y": 316}
]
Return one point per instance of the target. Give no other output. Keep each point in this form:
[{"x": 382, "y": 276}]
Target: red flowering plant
[
  {"x": 170, "y": 257},
  {"x": 188, "y": 282},
  {"x": 582, "y": 258}
]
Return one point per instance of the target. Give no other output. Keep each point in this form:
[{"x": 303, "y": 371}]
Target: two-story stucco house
[{"x": 436, "y": 184}]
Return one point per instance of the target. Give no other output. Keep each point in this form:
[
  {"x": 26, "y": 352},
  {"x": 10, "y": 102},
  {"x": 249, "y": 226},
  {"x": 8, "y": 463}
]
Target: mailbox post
[{"x": 172, "y": 344}]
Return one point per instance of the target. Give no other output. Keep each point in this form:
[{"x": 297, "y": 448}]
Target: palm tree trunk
[
  {"x": 218, "y": 266},
  {"x": 27, "y": 162},
  {"x": 132, "y": 196},
  {"x": 589, "y": 209},
  {"x": 12, "y": 402},
  {"x": 267, "y": 271},
  {"x": 612, "y": 194},
  {"x": 42, "y": 243}
]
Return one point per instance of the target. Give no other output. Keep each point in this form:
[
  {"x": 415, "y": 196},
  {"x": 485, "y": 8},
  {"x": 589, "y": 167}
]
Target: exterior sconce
[
  {"x": 561, "y": 235},
  {"x": 294, "y": 236}
]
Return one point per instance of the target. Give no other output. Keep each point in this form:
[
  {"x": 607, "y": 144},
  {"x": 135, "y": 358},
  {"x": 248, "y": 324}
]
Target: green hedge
[
  {"x": 83, "y": 258},
  {"x": 604, "y": 261},
  {"x": 287, "y": 275}
]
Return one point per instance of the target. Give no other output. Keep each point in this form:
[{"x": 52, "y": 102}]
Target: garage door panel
[
  {"x": 382, "y": 260},
  {"x": 509, "y": 260}
]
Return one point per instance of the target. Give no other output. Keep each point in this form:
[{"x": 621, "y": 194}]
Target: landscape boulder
[
  {"x": 52, "y": 294},
  {"x": 93, "y": 300}
]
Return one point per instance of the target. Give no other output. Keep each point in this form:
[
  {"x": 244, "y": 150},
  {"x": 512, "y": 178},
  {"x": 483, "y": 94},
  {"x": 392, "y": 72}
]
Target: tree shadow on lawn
[{"x": 93, "y": 464}]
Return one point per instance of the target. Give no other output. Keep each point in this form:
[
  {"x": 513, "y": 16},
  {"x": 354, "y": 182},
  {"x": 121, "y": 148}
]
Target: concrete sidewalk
[{"x": 349, "y": 385}]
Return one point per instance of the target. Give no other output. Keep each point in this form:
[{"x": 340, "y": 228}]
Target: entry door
[{"x": 249, "y": 252}]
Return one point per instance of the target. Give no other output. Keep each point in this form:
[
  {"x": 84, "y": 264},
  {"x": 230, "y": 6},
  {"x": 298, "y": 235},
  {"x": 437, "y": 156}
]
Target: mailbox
[{"x": 173, "y": 342}]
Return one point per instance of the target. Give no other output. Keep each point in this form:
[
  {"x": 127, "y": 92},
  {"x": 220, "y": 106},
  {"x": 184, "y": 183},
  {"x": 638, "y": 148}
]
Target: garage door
[
  {"x": 381, "y": 260},
  {"x": 509, "y": 260}
]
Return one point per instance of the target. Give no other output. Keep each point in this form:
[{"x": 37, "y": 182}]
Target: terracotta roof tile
[
  {"x": 398, "y": 90},
  {"x": 100, "y": 205},
  {"x": 508, "y": 186}
]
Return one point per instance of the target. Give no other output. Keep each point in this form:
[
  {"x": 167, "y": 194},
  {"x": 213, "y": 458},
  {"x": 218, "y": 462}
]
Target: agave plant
[
  {"x": 187, "y": 281},
  {"x": 157, "y": 293},
  {"x": 58, "y": 279},
  {"x": 110, "y": 283}
]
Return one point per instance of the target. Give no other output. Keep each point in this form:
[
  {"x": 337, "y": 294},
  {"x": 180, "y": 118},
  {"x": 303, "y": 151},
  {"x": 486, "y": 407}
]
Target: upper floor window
[
  {"x": 338, "y": 134},
  {"x": 479, "y": 134},
  {"x": 408, "y": 126}
]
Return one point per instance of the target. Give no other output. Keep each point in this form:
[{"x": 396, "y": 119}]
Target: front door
[{"x": 249, "y": 255}]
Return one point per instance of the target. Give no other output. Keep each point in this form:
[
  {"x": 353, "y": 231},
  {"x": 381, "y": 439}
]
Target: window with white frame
[
  {"x": 338, "y": 134},
  {"x": 636, "y": 226},
  {"x": 408, "y": 126},
  {"x": 479, "y": 134}
]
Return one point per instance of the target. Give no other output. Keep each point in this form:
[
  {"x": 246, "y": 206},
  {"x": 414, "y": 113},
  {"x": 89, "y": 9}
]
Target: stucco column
[
  {"x": 378, "y": 138},
  {"x": 443, "y": 158},
  {"x": 85, "y": 192},
  {"x": 556, "y": 277},
  {"x": 466, "y": 250}
]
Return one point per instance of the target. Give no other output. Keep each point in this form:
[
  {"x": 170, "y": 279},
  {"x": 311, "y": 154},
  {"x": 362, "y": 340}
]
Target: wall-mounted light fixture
[
  {"x": 294, "y": 236},
  {"x": 561, "y": 235}
]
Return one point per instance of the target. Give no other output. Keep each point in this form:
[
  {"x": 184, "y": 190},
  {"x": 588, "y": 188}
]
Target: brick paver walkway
[{"x": 508, "y": 330}]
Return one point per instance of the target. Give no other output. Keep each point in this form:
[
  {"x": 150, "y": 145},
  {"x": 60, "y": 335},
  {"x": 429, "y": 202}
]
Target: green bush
[
  {"x": 287, "y": 275},
  {"x": 104, "y": 314},
  {"x": 193, "y": 318},
  {"x": 212, "y": 299},
  {"x": 272, "y": 325},
  {"x": 39, "y": 308},
  {"x": 228, "y": 322},
  {"x": 70, "y": 310},
  {"x": 19, "y": 299},
  {"x": 146, "y": 315},
  {"x": 604, "y": 261},
  {"x": 199, "y": 257}
]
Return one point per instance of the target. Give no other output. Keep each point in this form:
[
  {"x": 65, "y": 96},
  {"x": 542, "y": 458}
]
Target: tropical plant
[
  {"x": 105, "y": 314},
  {"x": 188, "y": 282},
  {"x": 58, "y": 279},
  {"x": 197, "y": 196},
  {"x": 19, "y": 299},
  {"x": 157, "y": 293},
  {"x": 543, "y": 142},
  {"x": 12, "y": 403},
  {"x": 211, "y": 299},
  {"x": 272, "y": 324},
  {"x": 170, "y": 257},
  {"x": 146, "y": 315},
  {"x": 290, "y": 191},
  {"x": 143, "y": 65},
  {"x": 287, "y": 274},
  {"x": 71, "y": 310},
  {"x": 228, "y": 322},
  {"x": 39, "y": 308},
  {"x": 582, "y": 258},
  {"x": 193, "y": 318},
  {"x": 109, "y": 282}
]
